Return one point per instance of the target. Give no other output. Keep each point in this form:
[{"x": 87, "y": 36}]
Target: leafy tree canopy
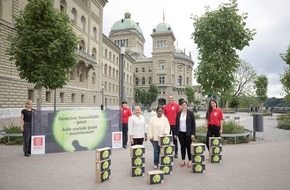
[
  {"x": 44, "y": 47},
  {"x": 285, "y": 77},
  {"x": 218, "y": 35},
  {"x": 261, "y": 84},
  {"x": 189, "y": 91}
]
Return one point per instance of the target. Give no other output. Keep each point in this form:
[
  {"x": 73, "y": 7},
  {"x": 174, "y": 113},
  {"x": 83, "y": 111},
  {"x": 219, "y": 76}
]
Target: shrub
[
  {"x": 229, "y": 127},
  {"x": 284, "y": 122},
  {"x": 12, "y": 128}
]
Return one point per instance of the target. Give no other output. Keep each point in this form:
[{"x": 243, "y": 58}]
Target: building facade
[{"x": 96, "y": 79}]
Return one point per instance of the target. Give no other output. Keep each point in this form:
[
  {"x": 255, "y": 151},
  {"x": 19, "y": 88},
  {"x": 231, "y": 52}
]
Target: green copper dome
[
  {"x": 126, "y": 24},
  {"x": 162, "y": 27}
]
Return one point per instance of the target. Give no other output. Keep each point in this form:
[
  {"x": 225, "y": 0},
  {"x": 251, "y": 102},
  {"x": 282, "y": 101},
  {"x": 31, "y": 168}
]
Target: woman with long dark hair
[
  {"x": 214, "y": 118},
  {"x": 185, "y": 131}
]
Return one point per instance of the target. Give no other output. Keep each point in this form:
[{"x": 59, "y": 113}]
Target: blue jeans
[{"x": 156, "y": 152}]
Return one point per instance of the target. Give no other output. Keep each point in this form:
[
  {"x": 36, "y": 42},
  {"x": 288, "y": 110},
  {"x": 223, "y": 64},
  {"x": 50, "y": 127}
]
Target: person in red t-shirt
[
  {"x": 170, "y": 111},
  {"x": 214, "y": 118},
  {"x": 126, "y": 113}
]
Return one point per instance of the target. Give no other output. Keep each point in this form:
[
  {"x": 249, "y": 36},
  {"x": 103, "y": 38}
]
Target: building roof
[
  {"x": 162, "y": 27},
  {"x": 126, "y": 24}
]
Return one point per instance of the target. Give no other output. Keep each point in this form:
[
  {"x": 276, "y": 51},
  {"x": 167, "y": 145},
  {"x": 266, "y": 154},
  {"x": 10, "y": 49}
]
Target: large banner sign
[{"x": 75, "y": 130}]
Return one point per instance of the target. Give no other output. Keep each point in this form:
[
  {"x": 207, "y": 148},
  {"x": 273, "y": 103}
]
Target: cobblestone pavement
[{"x": 260, "y": 165}]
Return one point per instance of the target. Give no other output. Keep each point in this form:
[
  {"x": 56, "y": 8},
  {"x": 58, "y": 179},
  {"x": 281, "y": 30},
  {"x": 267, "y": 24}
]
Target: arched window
[
  {"x": 117, "y": 74},
  {"x": 94, "y": 78},
  {"x": 110, "y": 56},
  {"x": 95, "y": 33},
  {"x": 187, "y": 81},
  {"x": 179, "y": 80},
  {"x": 75, "y": 16},
  {"x": 136, "y": 81},
  {"x": 105, "y": 69},
  {"x": 143, "y": 80},
  {"x": 62, "y": 6},
  {"x": 94, "y": 52},
  {"x": 83, "y": 20},
  {"x": 82, "y": 45},
  {"x": 110, "y": 71},
  {"x": 83, "y": 74},
  {"x": 113, "y": 73},
  {"x": 143, "y": 69},
  {"x": 106, "y": 53},
  {"x": 113, "y": 58}
]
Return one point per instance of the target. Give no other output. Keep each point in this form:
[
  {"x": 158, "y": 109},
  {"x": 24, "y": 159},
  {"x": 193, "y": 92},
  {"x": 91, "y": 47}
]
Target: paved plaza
[{"x": 260, "y": 165}]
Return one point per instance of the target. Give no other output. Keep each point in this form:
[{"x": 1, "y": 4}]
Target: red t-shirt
[
  {"x": 126, "y": 113},
  {"x": 215, "y": 117},
  {"x": 170, "y": 111}
]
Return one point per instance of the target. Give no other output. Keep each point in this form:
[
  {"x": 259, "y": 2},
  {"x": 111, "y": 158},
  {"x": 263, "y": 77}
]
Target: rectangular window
[
  {"x": 82, "y": 98},
  {"x": 31, "y": 95},
  {"x": 48, "y": 96},
  {"x": 73, "y": 98},
  {"x": 61, "y": 95}
]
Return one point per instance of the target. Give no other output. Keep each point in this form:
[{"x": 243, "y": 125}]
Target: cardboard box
[
  {"x": 197, "y": 148},
  {"x": 215, "y": 158},
  {"x": 215, "y": 150},
  {"x": 103, "y": 176},
  {"x": 138, "y": 161},
  {"x": 164, "y": 140},
  {"x": 198, "y": 158},
  {"x": 103, "y": 165},
  {"x": 166, "y": 160},
  {"x": 215, "y": 141},
  {"x": 167, "y": 150},
  {"x": 198, "y": 168},
  {"x": 137, "y": 151},
  {"x": 138, "y": 171},
  {"x": 167, "y": 170},
  {"x": 155, "y": 177},
  {"x": 103, "y": 153}
]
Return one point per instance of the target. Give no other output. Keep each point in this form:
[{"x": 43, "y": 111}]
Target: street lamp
[
  {"x": 122, "y": 74},
  {"x": 102, "y": 91}
]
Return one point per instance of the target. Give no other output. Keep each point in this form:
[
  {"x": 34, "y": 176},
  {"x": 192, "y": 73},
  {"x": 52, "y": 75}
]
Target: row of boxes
[
  {"x": 137, "y": 153},
  {"x": 166, "y": 160},
  {"x": 198, "y": 158},
  {"x": 103, "y": 164},
  {"x": 215, "y": 149}
]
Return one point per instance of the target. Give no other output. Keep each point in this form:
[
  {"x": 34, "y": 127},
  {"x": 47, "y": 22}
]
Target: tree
[
  {"x": 244, "y": 76},
  {"x": 261, "y": 85},
  {"x": 189, "y": 91},
  {"x": 285, "y": 77},
  {"x": 218, "y": 35},
  {"x": 152, "y": 93},
  {"x": 44, "y": 47}
]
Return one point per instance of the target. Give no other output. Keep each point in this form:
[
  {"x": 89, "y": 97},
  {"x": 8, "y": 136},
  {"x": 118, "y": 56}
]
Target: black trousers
[
  {"x": 212, "y": 131},
  {"x": 185, "y": 142},
  {"x": 138, "y": 141},
  {"x": 173, "y": 132},
  {"x": 125, "y": 133},
  {"x": 27, "y": 138}
]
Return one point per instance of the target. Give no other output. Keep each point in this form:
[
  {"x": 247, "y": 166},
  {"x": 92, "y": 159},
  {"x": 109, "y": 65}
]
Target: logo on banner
[
  {"x": 117, "y": 140},
  {"x": 38, "y": 145}
]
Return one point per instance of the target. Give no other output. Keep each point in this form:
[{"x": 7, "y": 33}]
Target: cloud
[{"x": 269, "y": 17}]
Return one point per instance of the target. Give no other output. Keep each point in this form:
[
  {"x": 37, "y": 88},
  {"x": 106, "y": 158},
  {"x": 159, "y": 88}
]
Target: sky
[{"x": 270, "y": 18}]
